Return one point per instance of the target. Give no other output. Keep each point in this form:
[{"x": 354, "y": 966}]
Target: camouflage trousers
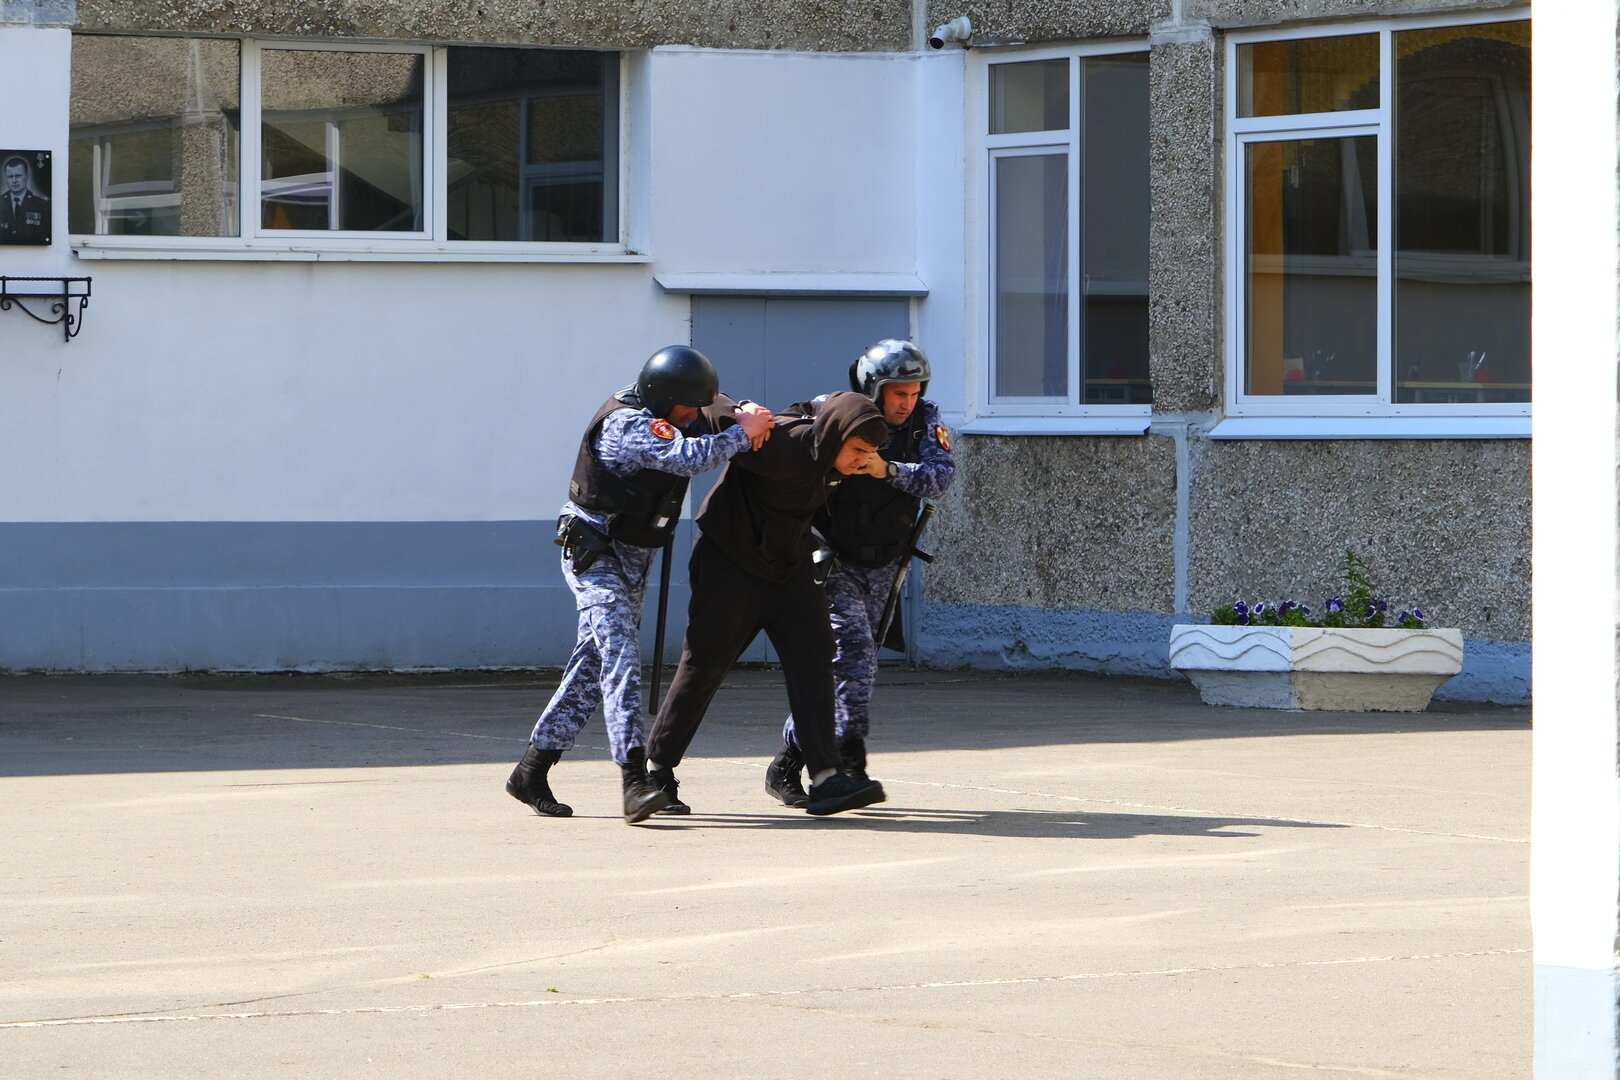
[
  {"x": 856, "y": 597},
  {"x": 605, "y": 668}
]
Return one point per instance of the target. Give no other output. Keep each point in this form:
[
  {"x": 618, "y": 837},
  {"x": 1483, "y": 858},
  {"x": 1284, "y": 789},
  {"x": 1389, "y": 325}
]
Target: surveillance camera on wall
[{"x": 958, "y": 29}]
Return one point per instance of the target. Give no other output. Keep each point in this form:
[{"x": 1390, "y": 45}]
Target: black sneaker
[
  {"x": 664, "y": 780},
  {"x": 839, "y": 792},
  {"x": 782, "y": 779}
]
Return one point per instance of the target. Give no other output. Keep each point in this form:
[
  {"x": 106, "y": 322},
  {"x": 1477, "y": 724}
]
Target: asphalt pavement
[{"x": 1073, "y": 876}]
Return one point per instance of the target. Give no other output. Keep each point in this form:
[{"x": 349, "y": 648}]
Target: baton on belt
[
  {"x": 893, "y": 606},
  {"x": 658, "y": 637}
]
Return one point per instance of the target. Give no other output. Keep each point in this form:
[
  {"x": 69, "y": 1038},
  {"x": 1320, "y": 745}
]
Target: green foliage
[{"x": 1358, "y": 606}]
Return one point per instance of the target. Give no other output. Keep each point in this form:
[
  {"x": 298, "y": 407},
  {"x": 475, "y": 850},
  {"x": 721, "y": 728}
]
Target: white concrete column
[{"x": 1575, "y": 835}]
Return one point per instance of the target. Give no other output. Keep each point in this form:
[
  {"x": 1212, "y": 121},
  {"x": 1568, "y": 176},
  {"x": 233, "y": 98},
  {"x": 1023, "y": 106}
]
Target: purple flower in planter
[{"x": 1335, "y": 605}]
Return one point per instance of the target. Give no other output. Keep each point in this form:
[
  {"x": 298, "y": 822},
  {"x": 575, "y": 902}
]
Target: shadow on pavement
[
  {"x": 74, "y": 724},
  {"x": 1030, "y": 824}
]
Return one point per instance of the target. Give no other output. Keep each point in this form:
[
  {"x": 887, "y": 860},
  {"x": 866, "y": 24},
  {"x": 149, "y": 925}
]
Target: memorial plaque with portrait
[{"x": 25, "y": 197}]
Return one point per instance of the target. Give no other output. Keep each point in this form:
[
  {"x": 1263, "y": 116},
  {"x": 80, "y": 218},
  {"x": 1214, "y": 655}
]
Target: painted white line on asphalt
[
  {"x": 383, "y": 727},
  {"x": 753, "y": 995}
]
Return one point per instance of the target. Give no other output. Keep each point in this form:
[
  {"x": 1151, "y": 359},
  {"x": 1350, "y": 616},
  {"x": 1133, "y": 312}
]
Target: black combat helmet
[
  {"x": 676, "y": 375},
  {"x": 887, "y": 361}
]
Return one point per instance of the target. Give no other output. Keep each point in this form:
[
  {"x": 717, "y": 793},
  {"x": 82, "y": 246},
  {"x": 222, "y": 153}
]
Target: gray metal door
[{"x": 779, "y": 350}]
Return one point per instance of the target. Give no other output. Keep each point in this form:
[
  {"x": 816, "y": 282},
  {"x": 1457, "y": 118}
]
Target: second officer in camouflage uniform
[
  {"x": 868, "y": 522},
  {"x": 629, "y": 480}
]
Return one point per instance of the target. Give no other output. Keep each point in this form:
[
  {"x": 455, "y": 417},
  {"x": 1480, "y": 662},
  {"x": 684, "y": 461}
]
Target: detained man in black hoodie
[{"x": 752, "y": 569}]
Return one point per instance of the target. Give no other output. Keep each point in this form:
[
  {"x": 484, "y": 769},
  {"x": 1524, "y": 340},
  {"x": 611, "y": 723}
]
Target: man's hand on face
[
  {"x": 855, "y": 456},
  {"x": 757, "y": 421},
  {"x": 876, "y": 466}
]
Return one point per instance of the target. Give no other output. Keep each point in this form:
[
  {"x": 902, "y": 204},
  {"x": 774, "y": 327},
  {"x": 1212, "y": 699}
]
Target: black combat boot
[
  {"x": 641, "y": 798},
  {"x": 852, "y": 756},
  {"x": 664, "y": 780},
  {"x": 782, "y": 777},
  {"x": 527, "y": 784}
]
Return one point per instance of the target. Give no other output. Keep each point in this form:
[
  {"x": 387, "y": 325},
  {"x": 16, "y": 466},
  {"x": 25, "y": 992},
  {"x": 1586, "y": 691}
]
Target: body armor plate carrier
[
  {"x": 642, "y": 508},
  {"x": 869, "y": 520}
]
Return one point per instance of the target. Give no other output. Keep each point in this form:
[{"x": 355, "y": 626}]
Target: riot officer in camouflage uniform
[
  {"x": 630, "y": 478},
  {"x": 868, "y": 521}
]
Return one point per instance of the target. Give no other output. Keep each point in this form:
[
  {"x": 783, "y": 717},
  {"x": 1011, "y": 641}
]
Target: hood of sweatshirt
[
  {"x": 760, "y": 511},
  {"x": 836, "y": 418}
]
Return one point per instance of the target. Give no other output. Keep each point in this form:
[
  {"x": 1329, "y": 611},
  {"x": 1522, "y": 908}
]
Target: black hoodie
[{"x": 760, "y": 510}]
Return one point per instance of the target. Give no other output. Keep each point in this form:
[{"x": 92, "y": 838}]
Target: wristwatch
[{"x": 892, "y": 471}]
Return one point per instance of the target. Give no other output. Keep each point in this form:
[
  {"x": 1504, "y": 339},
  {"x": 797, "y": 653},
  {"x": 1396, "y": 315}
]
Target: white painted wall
[
  {"x": 1575, "y": 818},
  {"x": 362, "y": 391},
  {"x": 34, "y": 69},
  {"x": 780, "y": 162},
  {"x": 301, "y": 392},
  {"x": 944, "y": 219}
]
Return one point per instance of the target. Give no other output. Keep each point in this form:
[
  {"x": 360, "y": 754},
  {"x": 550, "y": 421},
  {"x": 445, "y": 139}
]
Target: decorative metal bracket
[{"x": 69, "y": 296}]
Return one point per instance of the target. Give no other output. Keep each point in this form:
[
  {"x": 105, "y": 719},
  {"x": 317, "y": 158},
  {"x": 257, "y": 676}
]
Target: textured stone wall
[
  {"x": 1443, "y": 524},
  {"x": 1057, "y": 523},
  {"x": 1245, "y": 13},
  {"x": 1011, "y": 21},
  {"x": 820, "y": 25},
  {"x": 1184, "y": 234}
]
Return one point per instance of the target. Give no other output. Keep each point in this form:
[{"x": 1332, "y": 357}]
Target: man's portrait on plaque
[{"x": 25, "y": 197}]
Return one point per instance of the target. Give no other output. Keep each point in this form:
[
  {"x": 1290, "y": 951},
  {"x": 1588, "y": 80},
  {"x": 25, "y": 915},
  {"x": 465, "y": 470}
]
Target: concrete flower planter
[{"x": 1289, "y": 667}]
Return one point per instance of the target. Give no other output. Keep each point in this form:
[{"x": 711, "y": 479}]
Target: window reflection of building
[
  {"x": 342, "y": 140},
  {"x": 527, "y": 131},
  {"x": 155, "y": 125},
  {"x": 528, "y": 140}
]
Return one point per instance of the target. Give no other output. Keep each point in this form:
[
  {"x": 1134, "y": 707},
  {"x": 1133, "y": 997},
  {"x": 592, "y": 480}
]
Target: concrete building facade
[{"x": 328, "y": 442}]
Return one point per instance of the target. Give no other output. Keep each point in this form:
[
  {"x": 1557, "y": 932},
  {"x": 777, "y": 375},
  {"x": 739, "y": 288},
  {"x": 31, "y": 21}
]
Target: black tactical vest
[
  {"x": 869, "y": 520},
  {"x": 642, "y": 508}
]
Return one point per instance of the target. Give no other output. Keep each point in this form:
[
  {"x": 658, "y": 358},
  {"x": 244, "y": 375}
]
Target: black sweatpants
[{"x": 729, "y": 607}]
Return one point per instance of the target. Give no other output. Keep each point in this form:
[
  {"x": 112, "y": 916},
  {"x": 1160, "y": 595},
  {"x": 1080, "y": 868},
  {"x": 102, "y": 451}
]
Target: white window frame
[
  {"x": 432, "y": 243},
  {"x": 1374, "y": 415},
  {"x": 991, "y": 414}
]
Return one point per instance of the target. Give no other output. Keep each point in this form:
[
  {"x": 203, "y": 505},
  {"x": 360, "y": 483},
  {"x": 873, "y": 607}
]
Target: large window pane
[
  {"x": 1462, "y": 214},
  {"x": 1032, "y": 275},
  {"x": 153, "y": 136},
  {"x": 1114, "y": 230},
  {"x": 1309, "y": 75},
  {"x": 1311, "y": 267},
  {"x": 1031, "y": 96},
  {"x": 342, "y": 141},
  {"x": 532, "y": 145}
]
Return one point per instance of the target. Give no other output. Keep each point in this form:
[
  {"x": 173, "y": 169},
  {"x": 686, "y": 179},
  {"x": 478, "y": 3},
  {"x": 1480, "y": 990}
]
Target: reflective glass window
[
  {"x": 533, "y": 141},
  {"x": 153, "y": 139},
  {"x": 1308, "y": 75},
  {"x": 1462, "y": 222},
  {"x": 1029, "y": 96},
  {"x": 341, "y": 141}
]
